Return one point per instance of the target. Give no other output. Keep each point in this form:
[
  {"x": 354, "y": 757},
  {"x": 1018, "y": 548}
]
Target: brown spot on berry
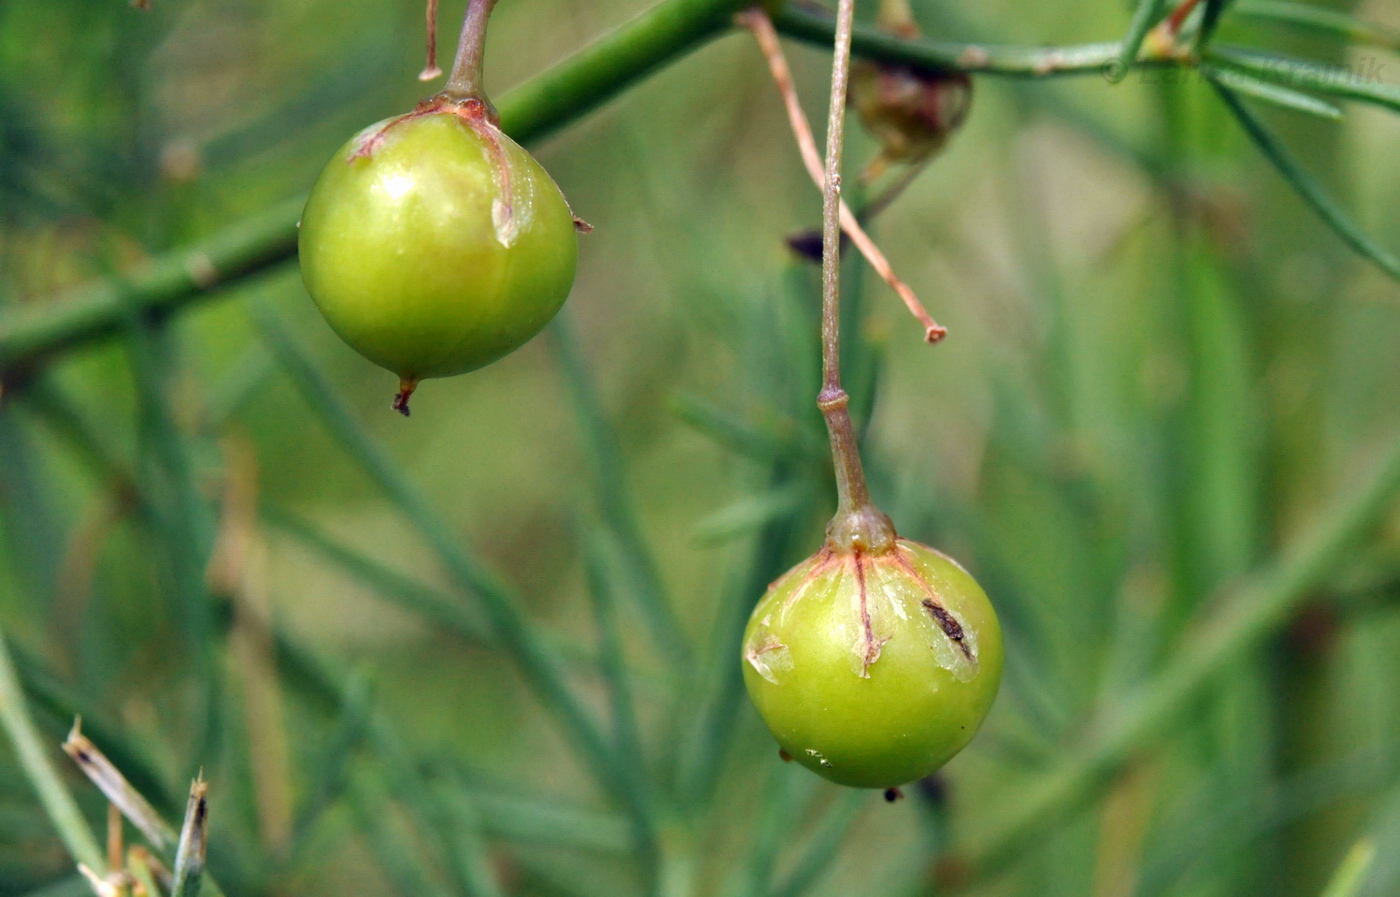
[{"x": 949, "y": 624}]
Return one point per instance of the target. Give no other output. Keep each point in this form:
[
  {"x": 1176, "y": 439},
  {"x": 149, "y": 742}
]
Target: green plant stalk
[
  {"x": 1242, "y": 619},
  {"x": 1272, "y": 93},
  {"x": 807, "y": 24},
  {"x": 1304, "y": 73},
  {"x": 1148, "y": 13},
  {"x": 39, "y": 768},
  {"x": 512, "y": 628}
]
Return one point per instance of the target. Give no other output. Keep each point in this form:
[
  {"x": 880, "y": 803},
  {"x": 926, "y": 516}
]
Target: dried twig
[
  {"x": 757, "y": 21},
  {"x": 194, "y": 837},
  {"x": 118, "y": 791},
  {"x": 431, "y": 70}
]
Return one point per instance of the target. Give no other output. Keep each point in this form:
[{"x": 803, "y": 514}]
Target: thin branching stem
[{"x": 757, "y": 21}]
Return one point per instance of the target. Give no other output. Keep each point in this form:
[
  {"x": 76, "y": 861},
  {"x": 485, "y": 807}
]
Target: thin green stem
[
  {"x": 814, "y": 26},
  {"x": 1307, "y": 187},
  {"x": 465, "y": 81},
  {"x": 38, "y": 767},
  {"x": 1148, "y": 13}
]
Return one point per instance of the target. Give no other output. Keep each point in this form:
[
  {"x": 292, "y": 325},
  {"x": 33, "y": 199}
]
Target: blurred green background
[{"x": 1162, "y": 370}]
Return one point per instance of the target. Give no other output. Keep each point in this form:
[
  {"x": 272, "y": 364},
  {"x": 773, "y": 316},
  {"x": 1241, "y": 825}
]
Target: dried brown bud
[{"x": 912, "y": 112}]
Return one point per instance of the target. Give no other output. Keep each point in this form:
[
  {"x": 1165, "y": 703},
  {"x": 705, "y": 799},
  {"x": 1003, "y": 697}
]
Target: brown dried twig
[
  {"x": 757, "y": 22},
  {"x": 431, "y": 70},
  {"x": 118, "y": 791}
]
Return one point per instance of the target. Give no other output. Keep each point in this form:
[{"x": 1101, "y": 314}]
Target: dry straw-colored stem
[
  {"x": 430, "y": 69},
  {"x": 118, "y": 791},
  {"x": 757, "y": 21}
]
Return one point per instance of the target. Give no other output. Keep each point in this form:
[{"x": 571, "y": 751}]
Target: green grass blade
[
  {"x": 1308, "y": 188},
  {"x": 1320, "y": 18},
  {"x": 782, "y": 802},
  {"x": 194, "y": 839},
  {"x": 1147, "y": 14},
  {"x": 38, "y": 767},
  {"x": 414, "y": 596},
  {"x": 332, "y": 766},
  {"x": 528, "y": 820},
  {"x": 1271, "y": 93},
  {"x": 761, "y": 441},
  {"x": 371, "y": 803},
  {"x": 53, "y": 698},
  {"x": 1210, "y": 18},
  {"x": 181, "y": 518},
  {"x": 439, "y": 823}
]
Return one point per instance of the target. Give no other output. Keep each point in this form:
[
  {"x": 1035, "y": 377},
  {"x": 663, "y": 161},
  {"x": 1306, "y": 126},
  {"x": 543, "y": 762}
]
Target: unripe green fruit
[
  {"x": 434, "y": 245},
  {"x": 873, "y": 669}
]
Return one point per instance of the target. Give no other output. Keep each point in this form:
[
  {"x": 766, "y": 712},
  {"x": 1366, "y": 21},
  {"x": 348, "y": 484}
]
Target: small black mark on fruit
[
  {"x": 893, "y": 794},
  {"x": 950, "y": 626},
  {"x": 784, "y": 756}
]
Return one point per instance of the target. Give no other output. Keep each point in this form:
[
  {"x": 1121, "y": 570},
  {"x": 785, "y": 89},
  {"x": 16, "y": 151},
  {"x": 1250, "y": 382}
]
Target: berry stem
[
  {"x": 858, "y": 525},
  {"x": 465, "y": 80}
]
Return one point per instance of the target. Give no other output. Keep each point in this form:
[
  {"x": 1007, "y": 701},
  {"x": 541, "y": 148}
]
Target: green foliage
[{"x": 495, "y": 649}]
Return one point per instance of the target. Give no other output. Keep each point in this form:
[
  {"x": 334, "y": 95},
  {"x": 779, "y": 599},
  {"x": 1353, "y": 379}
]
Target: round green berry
[
  {"x": 874, "y": 669},
  {"x": 433, "y": 244}
]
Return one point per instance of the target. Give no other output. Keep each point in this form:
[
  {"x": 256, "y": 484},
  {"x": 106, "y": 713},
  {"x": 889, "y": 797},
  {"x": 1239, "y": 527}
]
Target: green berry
[
  {"x": 873, "y": 669},
  {"x": 434, "y": 245}
]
